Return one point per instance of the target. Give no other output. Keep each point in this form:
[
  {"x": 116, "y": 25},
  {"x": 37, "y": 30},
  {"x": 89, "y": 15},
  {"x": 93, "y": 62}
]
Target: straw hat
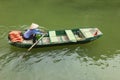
[{"x": 34, "y": 26}]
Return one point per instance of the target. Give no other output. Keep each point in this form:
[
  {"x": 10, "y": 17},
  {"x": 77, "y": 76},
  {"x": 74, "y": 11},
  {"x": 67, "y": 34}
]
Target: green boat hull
[{"x": 62, "y": 37}]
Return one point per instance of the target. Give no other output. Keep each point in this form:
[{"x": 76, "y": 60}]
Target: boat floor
[{"x": 46, "y": 40}]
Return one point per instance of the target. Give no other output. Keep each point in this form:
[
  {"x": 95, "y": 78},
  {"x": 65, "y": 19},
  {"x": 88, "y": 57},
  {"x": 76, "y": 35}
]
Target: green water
[{"x": 98, "y": 60}]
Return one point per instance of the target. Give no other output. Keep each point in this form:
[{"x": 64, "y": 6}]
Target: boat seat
[
  {"x": 86, "y": 33},
  {"x": 70, "y": 35},
  {"x": 53, "y": 36}
]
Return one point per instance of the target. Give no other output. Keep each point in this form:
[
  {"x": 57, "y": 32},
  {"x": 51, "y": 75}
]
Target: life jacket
[{"x": 15, "y": 36}]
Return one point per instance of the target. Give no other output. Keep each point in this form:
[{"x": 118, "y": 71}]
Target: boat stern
[{"x": 91, "y": 34}]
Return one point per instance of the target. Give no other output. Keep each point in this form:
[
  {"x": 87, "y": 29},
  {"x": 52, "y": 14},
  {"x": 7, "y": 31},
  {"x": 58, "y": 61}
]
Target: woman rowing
[{"x": 33, "y": 33}]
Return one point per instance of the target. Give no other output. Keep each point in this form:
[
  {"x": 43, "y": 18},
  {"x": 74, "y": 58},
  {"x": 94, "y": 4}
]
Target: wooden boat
[{"x": 61, "y": 37}]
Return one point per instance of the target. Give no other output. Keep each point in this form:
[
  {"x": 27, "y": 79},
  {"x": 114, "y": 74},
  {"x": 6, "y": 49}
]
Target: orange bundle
[{"x": 15, "y": 36}]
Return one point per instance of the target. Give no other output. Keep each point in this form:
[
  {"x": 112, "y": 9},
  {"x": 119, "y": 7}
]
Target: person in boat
[{"x": 33, "y": 33}]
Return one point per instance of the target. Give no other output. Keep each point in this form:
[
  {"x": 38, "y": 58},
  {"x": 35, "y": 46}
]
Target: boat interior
[{"x": 60, "y": 36}]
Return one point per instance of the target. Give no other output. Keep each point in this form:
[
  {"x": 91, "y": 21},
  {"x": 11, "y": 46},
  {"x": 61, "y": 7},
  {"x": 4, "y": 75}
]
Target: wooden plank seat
[
  {"x": 87, "y": 33},
  {"x": 53, "y": 37},
  {"x": 70, "y": 35}
]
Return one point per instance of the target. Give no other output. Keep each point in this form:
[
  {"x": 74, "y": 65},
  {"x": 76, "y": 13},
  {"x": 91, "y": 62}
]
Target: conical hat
[{"x": 34, "y": 26}]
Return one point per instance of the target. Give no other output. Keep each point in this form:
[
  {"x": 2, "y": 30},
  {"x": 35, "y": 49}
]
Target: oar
[{"x": 36, "y": 42}]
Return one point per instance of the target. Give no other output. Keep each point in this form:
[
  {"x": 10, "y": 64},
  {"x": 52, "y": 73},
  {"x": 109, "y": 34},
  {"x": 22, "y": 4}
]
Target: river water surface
[{"x": 97, "y": 60}]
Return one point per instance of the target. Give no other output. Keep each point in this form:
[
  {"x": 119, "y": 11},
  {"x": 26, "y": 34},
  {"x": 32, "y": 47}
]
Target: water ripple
[{"x": 76, "y": 53}]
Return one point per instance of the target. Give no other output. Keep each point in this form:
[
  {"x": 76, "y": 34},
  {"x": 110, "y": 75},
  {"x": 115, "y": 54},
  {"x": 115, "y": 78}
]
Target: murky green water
[{"x": 98, "y": 60}]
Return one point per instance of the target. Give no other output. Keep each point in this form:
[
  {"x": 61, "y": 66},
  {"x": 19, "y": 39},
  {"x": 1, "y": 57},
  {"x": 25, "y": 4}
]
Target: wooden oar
[{"x": 36, "y": 42}]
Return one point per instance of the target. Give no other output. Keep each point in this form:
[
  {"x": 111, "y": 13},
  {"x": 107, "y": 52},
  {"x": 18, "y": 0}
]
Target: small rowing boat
[{"x": 61, "y": 37}]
